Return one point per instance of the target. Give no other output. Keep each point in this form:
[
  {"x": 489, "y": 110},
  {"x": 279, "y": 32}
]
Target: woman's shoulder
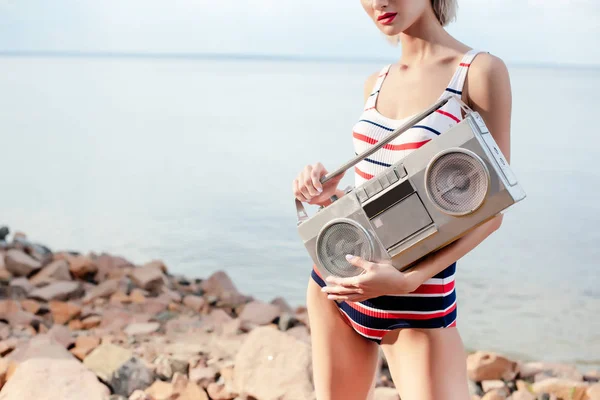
[
  {"x": 487, "y": 74},
  {"x": 371, "y": 80}
]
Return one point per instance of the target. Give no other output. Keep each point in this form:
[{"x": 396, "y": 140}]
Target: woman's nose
[{"x": 380, "y": 4}]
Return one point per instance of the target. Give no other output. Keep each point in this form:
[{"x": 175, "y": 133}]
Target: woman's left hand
[{"x": 378, "y": 279}]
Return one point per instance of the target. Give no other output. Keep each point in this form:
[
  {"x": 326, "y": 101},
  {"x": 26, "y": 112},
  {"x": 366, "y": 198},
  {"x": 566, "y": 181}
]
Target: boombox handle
[{"x": 302, "y": 215}]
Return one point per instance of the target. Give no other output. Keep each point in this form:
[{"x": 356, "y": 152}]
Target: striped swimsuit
[{"x": 433, "y": 304}]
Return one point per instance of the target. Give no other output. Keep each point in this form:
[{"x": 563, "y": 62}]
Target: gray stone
[
  {"x": 63, "y": 290},
  {"x": 19, "y": 263}
]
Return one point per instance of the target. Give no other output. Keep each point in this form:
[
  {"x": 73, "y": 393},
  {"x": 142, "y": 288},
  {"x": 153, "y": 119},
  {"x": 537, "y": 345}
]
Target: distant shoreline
[{"x": 245, "y": 57}]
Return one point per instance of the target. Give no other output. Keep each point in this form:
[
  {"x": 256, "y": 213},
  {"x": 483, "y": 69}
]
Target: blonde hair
[{"x": 444, "y": 10}]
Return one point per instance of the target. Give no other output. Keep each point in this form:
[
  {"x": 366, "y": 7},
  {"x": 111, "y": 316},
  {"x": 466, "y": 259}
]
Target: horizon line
[{"x": 242, "y": 56}]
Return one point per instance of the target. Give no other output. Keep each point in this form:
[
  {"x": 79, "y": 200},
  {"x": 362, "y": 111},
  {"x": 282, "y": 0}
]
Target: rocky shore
[{"x": 96, "y": 327}]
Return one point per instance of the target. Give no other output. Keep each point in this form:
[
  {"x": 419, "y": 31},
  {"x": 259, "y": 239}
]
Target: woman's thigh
[
  {"x": 427, "y": 364},
  {"x": 344, "y": 363}
]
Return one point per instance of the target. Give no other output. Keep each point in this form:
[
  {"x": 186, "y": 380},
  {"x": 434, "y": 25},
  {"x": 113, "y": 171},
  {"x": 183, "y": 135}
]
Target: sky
[{"x": 519, "y": 31}]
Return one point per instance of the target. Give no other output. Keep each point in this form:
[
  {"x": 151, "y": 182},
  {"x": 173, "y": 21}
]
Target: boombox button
[
  {"x": 385, "y": 182},
  {"x": 392, "y": 177},
  {"x": 362, "y": 195},
  {"x": 373, "y": 188},
  {"x": 402, "y": 171}
]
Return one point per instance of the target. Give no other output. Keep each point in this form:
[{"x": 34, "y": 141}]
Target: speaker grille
[
  {"x": 336, "y": 241},
  {"x": 457, "y": 182}
]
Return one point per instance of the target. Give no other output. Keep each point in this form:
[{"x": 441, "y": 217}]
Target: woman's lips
[{"x": 386, "y": 18}]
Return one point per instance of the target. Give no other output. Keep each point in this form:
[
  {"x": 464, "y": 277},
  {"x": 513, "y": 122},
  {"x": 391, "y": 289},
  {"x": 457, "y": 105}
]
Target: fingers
[
  {"x": 359, "y": 262},
  {"x": 341, "y": 290},
  {"x": 352, "y": 297},
  {"x": 307, "y": 185}
]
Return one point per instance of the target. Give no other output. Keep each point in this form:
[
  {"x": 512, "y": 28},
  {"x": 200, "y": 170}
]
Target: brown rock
[
  {"x": 4, "y": 364},
  {"x": 488, "y": 385},
  {"x": 283, "y": 305},
  {"x": 593, "y": 392},
  {"x": 137, "y": 296},
  {"x": 218, "y": 391},
  {"x": 149, "y": 277},
  {"x": 160, "y": 390},
  {"x": 202, "y": 376},
  {"x": 192, "y": 392},
  {"x": 522, "y": 395},
  {"x": 19, "y": 263},
  {"x": 82, "y": 267},
  {"x": 75, "y": 325},
  {"x": 91, "y": 322},
  {"x": 592, "y": 376},
  {"x": 117, "y": 366},
  {"x": 120, "y": 297},
  {"x": 62, "y": 335},
  {"x": 483, "y": 365},
  {"x": 55, "y": 271},
  {"x": 555, "y": 370},
  {"x": 4, "y": 331},
  {"x": 111, "y": 267},
  {"x": 158, "y": 264},
  {"x": 562, "y": 388},
  {"x": 259, "y": 313},
  {"x": 179, "y": 382},
  {"x": 196, "y": 303},
  {"x": 8, "y": 345},
  {"x": 61, "y": 290},
  {"x": 5, "y": 275},
  {"x": 84, "y": 345},
  {"x": 140, "y": 395},
  {"x": 300, "y": 332},
  {"x": 220, "y": 285},
  {"x": 272, "y": 364},
  {"x": 386, "y": 393},
  {"x": 166, "y": 367},
  {"x": 63, "y": 312},
  {"x": 58, "y": 379},
  {"x": 22, "y": 283},
  {"x": 142, "y": 328},
  {"x": 31, "y": 306},
  {"x": 494, "y": 395},
  {"x": 104, "y": 289}
]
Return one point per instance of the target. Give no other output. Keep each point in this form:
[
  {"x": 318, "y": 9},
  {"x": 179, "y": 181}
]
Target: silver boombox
[{"x": 427, "y": 200}]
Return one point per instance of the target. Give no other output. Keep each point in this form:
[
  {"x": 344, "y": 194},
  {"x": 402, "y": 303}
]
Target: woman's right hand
[{"x": 307, "y": 186}]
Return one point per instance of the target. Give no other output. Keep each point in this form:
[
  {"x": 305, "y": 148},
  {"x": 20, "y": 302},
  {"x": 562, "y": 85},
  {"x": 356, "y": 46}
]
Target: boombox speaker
[{"x": 427, "y": 200}]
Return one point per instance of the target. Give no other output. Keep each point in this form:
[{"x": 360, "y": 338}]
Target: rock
[
  {"x": 137, "y": 296},
  {"x": 119, "y": 297},
  {"x": 91, "y": 322},
  {"x": 555, "y": 370},
  {"x": 55, "y": 271},
  {"x": 19, "y": 263},
  {"x": 140, "y": 395},
  {"x": 148, "y": 277},
  {"x": 160, "y": 390},
  {"x": 58, "y": 379},
  {"x": 5, "y": 275},
  {"x": 82, "y": 267},
  {"x": 592, "y": 376},
  {"x": 61, "y": 290},
  {"x": 166, "y": 367},
  {"x": 272, "y": 364},
  {"x": 61, "y": 335},
  {"x": 84, "y": 346},
  {"x": 522, "y": 395},
  {"x": 483, "y": 365},
  {"x": 40, "y": 346},
  {"x": 8, "y": 345},
  {"x": 283, "y": 305},
  {"x": 62, "y": 312},
  {"x": 4, "y": 331},
  {"x": 4, "y": 365},
  {"x": 104, "y": 289},
  {"x": 192, "y": 392},
  {"x": 221, "y": 286},
  {"x": 196, "y": 303},
  {"x": 203, "y": 376},
  {"x": 259, "y": 313},
  {"x": 111, "y": 267},
  {"x": 386, "y": 393},
  {"x": 75, "y": 325},
  {"x": 488, "y": 385},
  {"x": 593, "y": 392},
  {"x": 117, "y": 366},
  {"x": 142, "y": 328},
  {"x": 31, "y": 306},
  {"x": 561, "y": 387},
  {"x": 494, "y": 395},
  {"x": 22, "y": 283},
  {"x": 218, "y": 391},
  {"x": 300, "y": 332},
  {"x": 158, "y": 264}
]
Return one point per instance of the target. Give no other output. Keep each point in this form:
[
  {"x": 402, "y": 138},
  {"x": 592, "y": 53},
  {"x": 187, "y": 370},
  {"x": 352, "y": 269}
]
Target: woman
[{"x": 411, "y": 315}]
